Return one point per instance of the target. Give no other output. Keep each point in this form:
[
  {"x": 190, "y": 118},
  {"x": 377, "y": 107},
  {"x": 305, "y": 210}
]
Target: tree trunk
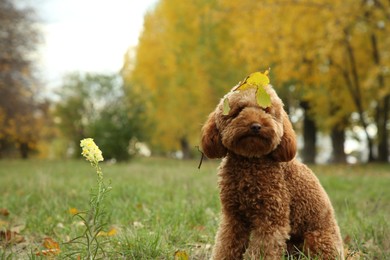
[
  {"x": 353, "y": 84},
  {"x": 383, "y": 134},
  {"x": 185, "y": 148},
  {"x": 23, "y": 150},
  {"x": 1, "y": 148},
  {"x": 309, "y": 136},
  {"x": 338, "y": 139},
  {"x": 382, "y": 109}
]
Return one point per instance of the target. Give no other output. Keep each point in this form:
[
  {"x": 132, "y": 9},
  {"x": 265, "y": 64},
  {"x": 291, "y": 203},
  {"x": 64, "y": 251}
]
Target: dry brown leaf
[
  {"x": 17, "y": 227},
  {"x": 11, "y": 237},
  {"x": 3, "y": 223},
  {"x": 200, "y": 228},
  {"x": 347, "y": 239},
  {"x": 49, "y": 243},
  {"x": 4, "y": 212}
]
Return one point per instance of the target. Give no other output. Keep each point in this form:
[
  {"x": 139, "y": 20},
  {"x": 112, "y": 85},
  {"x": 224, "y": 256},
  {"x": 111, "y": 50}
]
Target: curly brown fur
[{"x": 271, "y": 204}]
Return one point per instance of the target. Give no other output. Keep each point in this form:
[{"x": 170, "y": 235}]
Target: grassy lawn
[{"x": 159, "y": 206}]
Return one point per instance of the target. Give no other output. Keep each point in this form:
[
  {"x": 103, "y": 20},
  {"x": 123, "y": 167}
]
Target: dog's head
[{"x": 249, "y": 130}]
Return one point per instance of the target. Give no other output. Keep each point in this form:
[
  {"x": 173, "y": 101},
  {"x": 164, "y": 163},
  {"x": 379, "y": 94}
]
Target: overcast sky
[{"x": 87, "y": 35}]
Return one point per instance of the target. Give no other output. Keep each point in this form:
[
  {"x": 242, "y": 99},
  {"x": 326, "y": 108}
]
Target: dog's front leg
[
  {"x": 269, "y": 235},
  {"x": 268, "y": 246},
  {"x": 231, "y": 240}
]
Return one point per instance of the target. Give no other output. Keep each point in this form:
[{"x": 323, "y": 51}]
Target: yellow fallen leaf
[
  {"x": 102, "y": 234},
  {"x": 52, "y": 248},
  {"x": 181, "y": 255},
  {"x": 73, "y": 211},
  {"x": 110, "y": 233}
]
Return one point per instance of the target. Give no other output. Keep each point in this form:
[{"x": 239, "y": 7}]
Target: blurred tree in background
[
  {"x": 22, "y": 117},
  {"x": 94, "y": 105},
  {"x": 329, "y": 59},
  {"x": 182, "y": 67}
]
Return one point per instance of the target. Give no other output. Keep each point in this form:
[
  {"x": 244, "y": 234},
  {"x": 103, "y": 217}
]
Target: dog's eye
[
  {"x": 267, "y": 110},
  {"x": 236, "y": 111}
]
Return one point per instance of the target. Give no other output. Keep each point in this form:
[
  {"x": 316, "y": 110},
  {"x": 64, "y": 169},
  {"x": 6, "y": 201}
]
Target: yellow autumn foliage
[{"x": 192, "y": 52}]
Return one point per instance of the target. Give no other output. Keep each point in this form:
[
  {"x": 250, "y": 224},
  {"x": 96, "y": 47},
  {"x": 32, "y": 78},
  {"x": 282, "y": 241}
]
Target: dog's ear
[
  {"x": 211, "y": 139},
  {"x": 287, "y": 148}
]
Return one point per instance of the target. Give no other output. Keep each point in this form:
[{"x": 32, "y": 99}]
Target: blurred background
[{"x": 141, "y": 77}]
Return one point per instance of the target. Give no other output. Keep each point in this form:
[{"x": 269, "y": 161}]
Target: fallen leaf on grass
[
  {"x": 371, "y": 246},
  {"x": 110, "y": 233},
  {"x": 73, "y": 211},
  {"x": 48, "y": 252},
  {"x": 3, "y": 223},
  {"x": 11, "y": 237},
  {"x": 4, "y": 212},
  {"x": 347, "y": 239},
  {"x": 49, "y": 243},
  {"x": 352, "y": 255},
  {"x": 52, "y": 248},
  {"x": 18, "y": 227},
  {"x": 60, "y": 225},
  {"x": 201, "y": 252},
  {"x": 181, "y": 255},
  {"x": 200, "y": 228},
  {"x": 138, "y": 224},
  {"x": 79, "y": 223}
]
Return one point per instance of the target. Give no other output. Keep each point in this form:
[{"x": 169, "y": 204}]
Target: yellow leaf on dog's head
[
  {"x": 226, "y": 107},
  {"x": 258, "y": 79},
  {"x": 254, "y": 80},
  {"x": 263, "y": 98}
]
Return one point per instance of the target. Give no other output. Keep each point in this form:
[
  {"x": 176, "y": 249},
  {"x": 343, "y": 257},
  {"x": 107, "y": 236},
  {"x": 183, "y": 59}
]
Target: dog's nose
[{"x": 255, "y": 127}]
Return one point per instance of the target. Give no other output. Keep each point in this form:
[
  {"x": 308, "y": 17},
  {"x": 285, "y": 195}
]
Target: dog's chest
[{"x": 251, "y": 187}]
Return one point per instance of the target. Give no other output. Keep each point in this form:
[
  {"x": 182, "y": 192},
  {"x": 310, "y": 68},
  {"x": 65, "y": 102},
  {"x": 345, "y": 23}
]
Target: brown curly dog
[{"x": 272, "y": 205}]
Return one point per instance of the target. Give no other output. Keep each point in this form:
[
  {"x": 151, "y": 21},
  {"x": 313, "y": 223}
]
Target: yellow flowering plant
[
  {"x": 91, "y": 151},
  {"x": 94, "y": 218}
]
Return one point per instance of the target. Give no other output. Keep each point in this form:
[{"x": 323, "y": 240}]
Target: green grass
[{"x": 159, "y": 206}]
